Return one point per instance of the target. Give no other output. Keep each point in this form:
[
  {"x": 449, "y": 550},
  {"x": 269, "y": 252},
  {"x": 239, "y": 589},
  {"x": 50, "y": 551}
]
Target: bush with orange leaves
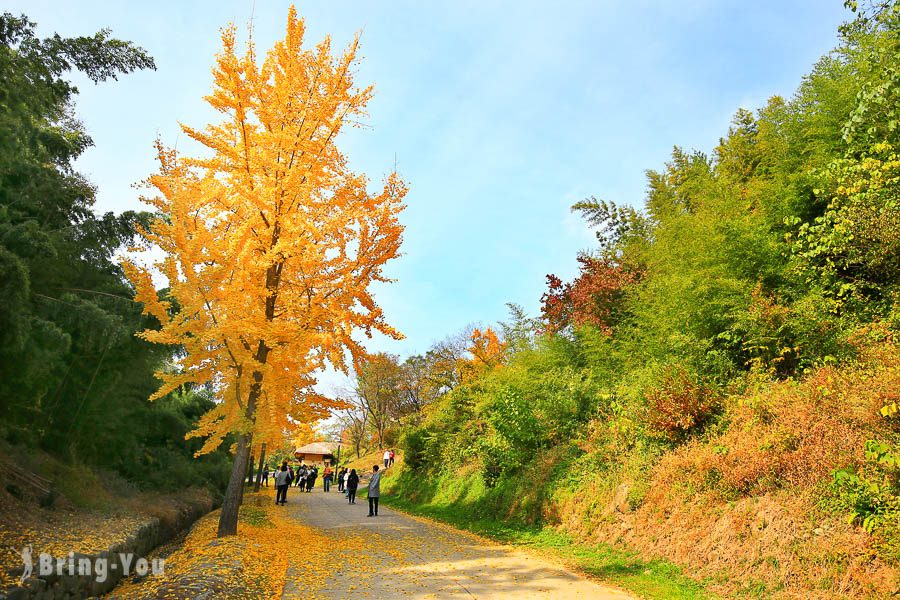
[
  {"x": 679, "y": 404},
  {"x": 794, "y": 433}
]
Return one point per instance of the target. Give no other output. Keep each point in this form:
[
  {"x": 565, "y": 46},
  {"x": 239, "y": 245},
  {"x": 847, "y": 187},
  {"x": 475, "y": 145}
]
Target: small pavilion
[{"x": 318, "y": 453}]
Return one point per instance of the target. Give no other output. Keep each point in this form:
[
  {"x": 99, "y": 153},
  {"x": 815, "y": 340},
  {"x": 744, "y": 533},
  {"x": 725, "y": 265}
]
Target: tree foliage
[
  {"x": 271, "y": 244},
  {"x": 595, "y": 298}
]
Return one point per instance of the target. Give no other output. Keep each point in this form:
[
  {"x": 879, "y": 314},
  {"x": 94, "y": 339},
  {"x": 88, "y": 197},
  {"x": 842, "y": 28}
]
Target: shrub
[
  {"x": 414, "y": 443},
  {"x": 870, "y": 495},
  {"x": 512, "y": 417},
  {"x": 678, "y": 404}
]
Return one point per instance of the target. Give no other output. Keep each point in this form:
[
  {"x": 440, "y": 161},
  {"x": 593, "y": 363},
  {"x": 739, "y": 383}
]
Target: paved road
[{"x": 396, "y": 556}]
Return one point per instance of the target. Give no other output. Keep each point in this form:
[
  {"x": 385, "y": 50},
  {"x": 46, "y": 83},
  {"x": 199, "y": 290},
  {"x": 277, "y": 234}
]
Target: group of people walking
[
  {"x": 306, "y": 477},
  {"x": 347, "y": 482}
]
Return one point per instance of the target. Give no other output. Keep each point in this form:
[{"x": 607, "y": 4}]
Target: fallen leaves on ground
[
  {"x": 57, "y": 531},
  {"x": 251, "y": 564}
]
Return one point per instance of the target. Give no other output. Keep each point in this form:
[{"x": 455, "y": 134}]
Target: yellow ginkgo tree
[{"x": 270, "y": 244}]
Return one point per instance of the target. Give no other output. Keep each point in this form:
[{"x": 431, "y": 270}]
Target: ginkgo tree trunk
[{"x": 270, "y": 244}]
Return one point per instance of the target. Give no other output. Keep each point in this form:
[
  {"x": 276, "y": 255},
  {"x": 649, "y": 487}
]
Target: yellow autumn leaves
[{"x": 270, "y": 242}]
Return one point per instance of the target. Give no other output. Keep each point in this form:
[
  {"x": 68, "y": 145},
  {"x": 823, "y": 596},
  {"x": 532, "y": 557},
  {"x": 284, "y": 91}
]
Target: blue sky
[{"x": 500, "y": 115}]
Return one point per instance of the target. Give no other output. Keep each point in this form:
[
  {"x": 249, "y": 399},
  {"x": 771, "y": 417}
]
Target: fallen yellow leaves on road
[
  {"x": 319, "y": 548},
  {"x": 252, "y": 564}
]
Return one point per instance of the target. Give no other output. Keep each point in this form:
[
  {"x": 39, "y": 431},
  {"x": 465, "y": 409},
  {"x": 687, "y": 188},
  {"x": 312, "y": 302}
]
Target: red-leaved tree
[{"x": 594, "y": 298}]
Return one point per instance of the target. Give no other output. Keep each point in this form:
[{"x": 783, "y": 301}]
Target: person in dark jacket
[
  {"x": 311, "y": 479},
  {"x": 327, "y": 474},
  {"x": 302, "y": 473},
  {"x": 352, "y": 484}
]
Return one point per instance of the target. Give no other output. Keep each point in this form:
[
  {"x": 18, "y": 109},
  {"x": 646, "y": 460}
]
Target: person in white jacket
[{"x": 387, "y": 458}]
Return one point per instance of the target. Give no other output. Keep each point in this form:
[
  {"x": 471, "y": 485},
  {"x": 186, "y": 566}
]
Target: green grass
[
  {"x": 647, "y": 579},
  {"x": 254, "y": 515}
]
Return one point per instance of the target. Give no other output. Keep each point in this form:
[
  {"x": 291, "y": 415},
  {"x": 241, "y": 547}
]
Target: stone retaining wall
[{"x": 73, "y": 586}]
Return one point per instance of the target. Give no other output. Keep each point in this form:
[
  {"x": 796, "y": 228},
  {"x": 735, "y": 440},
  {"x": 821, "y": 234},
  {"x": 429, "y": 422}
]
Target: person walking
[
  {"x": 326, "y": 478},
  {"x": 352, "y": 484},
  {"x": 391, "y": 451},
  {"x": 387, "y": 458},
  {"x": 346, "y": 477},
  {"x": 374, "y": 491},
  {"x": 340, "y": 479},
  {"x": 281, "y": 485},
  {"x": 302, "y": 474},
  {"x": 311, "y": 479}
]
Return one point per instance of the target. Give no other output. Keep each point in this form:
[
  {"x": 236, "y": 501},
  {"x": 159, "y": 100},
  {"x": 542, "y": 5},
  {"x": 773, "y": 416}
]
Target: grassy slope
[
  {"x": 748, "y": 507},
  {"x": 364, "y": 463}
]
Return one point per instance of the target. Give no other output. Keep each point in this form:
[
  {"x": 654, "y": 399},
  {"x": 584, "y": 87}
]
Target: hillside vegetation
[
  {"x": 74, "y": 380},
  {"x": 719, "y": 385}
]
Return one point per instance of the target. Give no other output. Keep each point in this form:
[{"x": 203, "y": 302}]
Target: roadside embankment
[{"x": 79, "y": 532}]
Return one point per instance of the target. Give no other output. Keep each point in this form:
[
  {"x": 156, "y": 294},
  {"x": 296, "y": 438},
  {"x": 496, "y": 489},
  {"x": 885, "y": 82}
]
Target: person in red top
[
  {"x": 391, "y": 459},
  {"x": 326, "y": 478}
]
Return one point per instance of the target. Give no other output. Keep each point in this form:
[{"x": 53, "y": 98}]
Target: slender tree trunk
[
  {"x": 249, "y": 477},
  {"x": 232, "y": 500},
  {"x": 262, "y": 460},
  {"x": 379, "y": 427},
  {"x": 235, "y": 490}
]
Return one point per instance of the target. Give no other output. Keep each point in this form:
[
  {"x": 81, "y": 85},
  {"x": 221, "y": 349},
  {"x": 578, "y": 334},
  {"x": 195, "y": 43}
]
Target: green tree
[{"x": 73, "y": 378}]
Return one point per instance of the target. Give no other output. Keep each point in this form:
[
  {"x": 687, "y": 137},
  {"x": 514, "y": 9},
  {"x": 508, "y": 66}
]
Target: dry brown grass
[{"x": 742, "y": 507}]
